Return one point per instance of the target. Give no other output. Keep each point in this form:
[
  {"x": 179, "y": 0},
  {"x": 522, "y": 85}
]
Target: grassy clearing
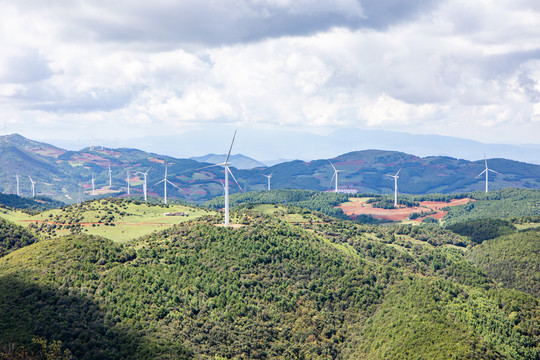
[{"x": 119, "y": 221}]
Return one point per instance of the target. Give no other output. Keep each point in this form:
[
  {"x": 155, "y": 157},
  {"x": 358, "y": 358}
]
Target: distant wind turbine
[
  {"x": 268, "y": 177},
  {"x": 127, "y": 180},
  {"x": 335, "y": 175},
  {"x": 17, "y": 177},
  {"x": 226, "y": 185},
  {"x": 487, "y": 170},
  {"x": 93, "y": 185},
  {"x": 144, "y": 184},
  {"x": 110, "y": 176},
  {"x": 33, "y": 186},
  {"x": 395, "y": 186},
  {"x": 165, "y": 181}
]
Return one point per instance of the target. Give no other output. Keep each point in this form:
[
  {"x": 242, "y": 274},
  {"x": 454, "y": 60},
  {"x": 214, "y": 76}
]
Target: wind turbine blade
[
  {"x": 477, "y": 176},
  {"x": 333, "y": 176},
  {"x": 230, "y": 149},
  {"x": 173, "y": 185},
  {"x": 494, "y": 171},
  {"x": 230, "y": 172},
  {"x": 398, "y": 171},
  {"x": 159, "y": 182},
  {"x": 332, "y": 165}
]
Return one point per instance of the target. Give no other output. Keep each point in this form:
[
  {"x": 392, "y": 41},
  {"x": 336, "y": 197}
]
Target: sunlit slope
[
  {"x": 116, "y": 219},
  {"x": 283, "y": 285}
]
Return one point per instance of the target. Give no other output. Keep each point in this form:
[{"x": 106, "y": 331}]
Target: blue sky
[{"x": 128, "y": 69}]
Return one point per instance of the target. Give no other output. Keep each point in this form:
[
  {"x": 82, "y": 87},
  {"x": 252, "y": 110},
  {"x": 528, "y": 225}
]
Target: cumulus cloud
[{"x": 423, "y": 66}]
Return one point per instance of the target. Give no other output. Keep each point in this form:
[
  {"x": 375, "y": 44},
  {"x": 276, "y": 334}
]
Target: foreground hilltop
[
  {"x": 285, "y": 283},
  {"x": 67, "y": 175}
]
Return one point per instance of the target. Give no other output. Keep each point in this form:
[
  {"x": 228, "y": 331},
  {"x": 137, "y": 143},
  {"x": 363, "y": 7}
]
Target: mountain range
[
  {"x": 268, "y": 145},
  {"x": 66, "y": 175}
]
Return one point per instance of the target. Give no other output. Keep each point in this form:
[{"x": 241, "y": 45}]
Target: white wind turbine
[
  {"x": 17, "y": 177},
  {"x": 127, "y": 181},
  {"x": 335, "y": 175},
  {"x": 144, "y": 184},
  {"x": 110, "y": 176},
  {"x": 268, "y": 177},
  {"x": 33, "y": 186},
  {"x": 395, "y": 186},
  {"x": 165, "y": 181},
  {"x": 487, "y": 170},
  {"x": 93, "y": 185},
  {"x": 226, "y": 185}
]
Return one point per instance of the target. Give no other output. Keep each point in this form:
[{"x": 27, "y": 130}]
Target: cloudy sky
[{"x": 131, "y": 68}]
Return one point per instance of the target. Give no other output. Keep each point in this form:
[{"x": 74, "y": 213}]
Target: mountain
[
  {"x": 290, "y": 144},
  {"x": 238, "y": 161},
  {"x": 67, "y": 175}
]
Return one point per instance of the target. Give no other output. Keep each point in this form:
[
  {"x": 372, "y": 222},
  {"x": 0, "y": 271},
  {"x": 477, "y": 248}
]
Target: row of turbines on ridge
[{"x": 226, "y": 164}]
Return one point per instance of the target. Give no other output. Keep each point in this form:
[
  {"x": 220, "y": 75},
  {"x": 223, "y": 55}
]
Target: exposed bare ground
[{"x": 353, "y": 209}]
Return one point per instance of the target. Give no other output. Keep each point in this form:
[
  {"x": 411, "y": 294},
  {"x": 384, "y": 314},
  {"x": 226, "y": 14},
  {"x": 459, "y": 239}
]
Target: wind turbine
[
  {"x": 226, "y": 185},
  {"x": 395, "y": 186},
  {"x": 268, "y": 177},
  {"x": 144, "y": 184},
  {"x": 18, "y": 193},
  {"x": 93, "y": 187},
  {"x": 487, "y": 170},
  {"x": 33, "y": 186},
  {"x": 110, "y": 176},
  {"x": 165, "y": 181},
  {"x": 335, "y": 175},
  {"x": 127, "y": 180}
]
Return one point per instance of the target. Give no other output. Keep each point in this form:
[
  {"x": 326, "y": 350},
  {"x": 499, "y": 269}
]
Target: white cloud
[{"x": 320, "y": 64}]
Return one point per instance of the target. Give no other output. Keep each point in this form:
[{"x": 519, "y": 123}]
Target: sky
[{"x": 125, "y": 69}]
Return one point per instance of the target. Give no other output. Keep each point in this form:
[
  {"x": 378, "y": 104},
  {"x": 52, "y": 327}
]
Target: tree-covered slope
[
  {"x": 512, "y": 259},
  {"x": 270, "y": 289},
  {"x": 13, "y": 237}
]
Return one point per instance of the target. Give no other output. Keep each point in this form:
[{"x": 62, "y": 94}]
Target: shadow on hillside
[{"x": 28, "y": 310}]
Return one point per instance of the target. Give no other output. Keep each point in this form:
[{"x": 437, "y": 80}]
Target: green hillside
[
  {"x": 287, "y": 283},
  {"x": 513, "y": 260}
]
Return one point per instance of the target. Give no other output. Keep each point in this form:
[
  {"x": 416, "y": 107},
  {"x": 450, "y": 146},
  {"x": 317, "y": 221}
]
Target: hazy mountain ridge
[
  {"x": 66, "y": 175},
  {"x": 287, "y": 144}
]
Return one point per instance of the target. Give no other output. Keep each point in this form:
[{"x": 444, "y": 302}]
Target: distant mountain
[
  {"x": 239, "y": 161},
  {"x": 66, "y": 175},
  {"x": 290, "y": 144}
]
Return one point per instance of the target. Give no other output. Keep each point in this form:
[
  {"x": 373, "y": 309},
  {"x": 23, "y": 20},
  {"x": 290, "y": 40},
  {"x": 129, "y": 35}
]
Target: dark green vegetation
[
  {"x": 39, "y": 203},
  {"x": 66, "y": 175},
  {"x": 289, "y": 284},
  {"x": 483, "y": 229},
  {"x": 507, "y": 204},
  {"x": 512, "y": 260},
  {"x": 324, "y": 202},
  {"x": 13, "y": 237}
]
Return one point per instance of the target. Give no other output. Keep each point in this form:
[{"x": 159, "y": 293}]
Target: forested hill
[
  {"x": 285, "y": 283},
  {"x": 67, "y": 175}
]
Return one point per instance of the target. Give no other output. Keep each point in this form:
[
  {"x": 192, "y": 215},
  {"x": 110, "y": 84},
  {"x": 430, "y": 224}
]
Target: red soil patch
[{"x": 354, "y": 209}]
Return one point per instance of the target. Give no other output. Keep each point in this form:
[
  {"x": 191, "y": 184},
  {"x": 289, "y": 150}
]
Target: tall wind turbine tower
[
  {"x": 165, "y": 181},
  {"x": 487, "y": 170},
  {"x": 17, "y": 177},
  {"x": 93, "y": 185},
  {"x": 226, "y": 185},
  {"x": 144, "y": 183},
  {"x": 395, "y": 186},
  {"x": 33, "y": 186},
  {"x": 268, "y": 177},
  {"x": 110, "y": 176},
  {"x": 335, "y": 175},
  {"x": 127, "y": 181}
]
